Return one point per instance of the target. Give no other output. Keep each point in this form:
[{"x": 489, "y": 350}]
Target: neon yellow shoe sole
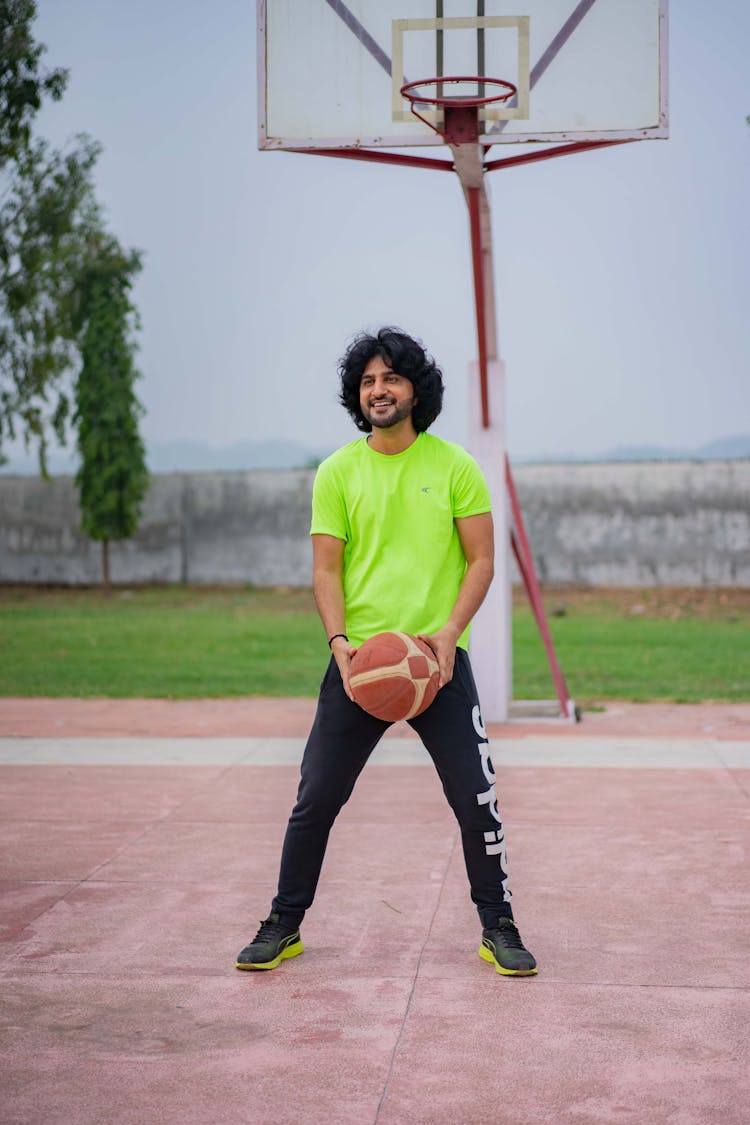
[
  {"x": 292, "y": 950},
  {"x": 487, "y": 955}
]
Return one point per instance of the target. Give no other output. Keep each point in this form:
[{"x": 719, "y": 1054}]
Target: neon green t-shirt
[{"x": 403, "y": 560}]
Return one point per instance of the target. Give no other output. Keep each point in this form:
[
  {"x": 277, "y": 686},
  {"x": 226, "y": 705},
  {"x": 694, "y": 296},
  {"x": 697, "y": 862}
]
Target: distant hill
[
  {"x": 191, "y": 456},
  {"x": 733, "y": 448},
  {"x": 723, "y": 449},
  {"x": 194, "y": 457}
]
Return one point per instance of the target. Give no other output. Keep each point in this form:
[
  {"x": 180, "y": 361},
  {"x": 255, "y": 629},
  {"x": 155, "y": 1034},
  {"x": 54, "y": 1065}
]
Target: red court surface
[{"x": 140, "y": 843}]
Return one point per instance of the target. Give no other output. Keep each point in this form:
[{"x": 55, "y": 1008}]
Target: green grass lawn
[
  {"x": 177, "y": 642},
  {"x": 640, "y": 660}
]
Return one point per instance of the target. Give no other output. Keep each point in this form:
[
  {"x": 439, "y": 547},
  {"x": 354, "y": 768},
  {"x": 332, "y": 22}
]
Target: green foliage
[
  {"x": 47, "y": 218},
  {"x": 113, "y": 478},
  {"x": 48, "y": 215},
  {"x": 64, "y": 292},
  {"x": 22, "y": 84}
]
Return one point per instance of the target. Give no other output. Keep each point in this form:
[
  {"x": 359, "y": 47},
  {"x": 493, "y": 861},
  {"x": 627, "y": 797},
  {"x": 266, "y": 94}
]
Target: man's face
[{"x": 385, "y": 397}]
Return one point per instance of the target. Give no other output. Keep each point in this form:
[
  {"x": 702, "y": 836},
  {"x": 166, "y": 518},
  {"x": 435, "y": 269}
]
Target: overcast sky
[{"x": 622, "y": 275}]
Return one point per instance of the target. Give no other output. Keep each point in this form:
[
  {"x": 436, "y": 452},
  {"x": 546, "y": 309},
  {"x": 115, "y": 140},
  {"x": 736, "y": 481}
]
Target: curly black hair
[{"x": 406, "y": 357}]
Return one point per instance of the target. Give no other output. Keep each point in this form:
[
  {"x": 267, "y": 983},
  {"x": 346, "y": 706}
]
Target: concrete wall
[
  {"x": 202, "y": 528},
  {"x": 625, "y": 524},
  {"x": 677, "y": 523}
]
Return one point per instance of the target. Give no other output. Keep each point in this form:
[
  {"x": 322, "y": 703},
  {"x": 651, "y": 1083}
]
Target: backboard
[{"x": 330, "y": 72}]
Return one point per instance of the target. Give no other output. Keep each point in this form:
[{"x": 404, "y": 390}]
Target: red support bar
[
  {"x": 550, "y": 153},
  {"x": 378, "y": 157},
  {"x": 472, "y": 197},
  {"x": 524, "y": 558}
]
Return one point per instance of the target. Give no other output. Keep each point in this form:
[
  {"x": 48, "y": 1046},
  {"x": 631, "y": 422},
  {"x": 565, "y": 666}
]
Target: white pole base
[{"x": 490, "y": 648}]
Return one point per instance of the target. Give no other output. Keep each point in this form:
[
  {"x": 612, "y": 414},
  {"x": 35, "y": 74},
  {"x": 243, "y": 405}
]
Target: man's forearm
[
  {"x": 329, "y": 599},
  {"x": 476, "y": 582}
]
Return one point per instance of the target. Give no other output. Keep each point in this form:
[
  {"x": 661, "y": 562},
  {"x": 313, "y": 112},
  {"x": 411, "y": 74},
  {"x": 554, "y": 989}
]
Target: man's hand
[
  {"x": 443, "y": 644},
  {"x": 343, "y": 651}
]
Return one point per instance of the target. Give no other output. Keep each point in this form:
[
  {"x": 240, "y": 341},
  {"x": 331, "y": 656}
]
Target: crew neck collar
[{"x": 392, "y": 456}]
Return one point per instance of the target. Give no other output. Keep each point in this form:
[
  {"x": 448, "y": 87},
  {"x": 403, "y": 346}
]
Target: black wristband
[{"x": 333, "y": 638}]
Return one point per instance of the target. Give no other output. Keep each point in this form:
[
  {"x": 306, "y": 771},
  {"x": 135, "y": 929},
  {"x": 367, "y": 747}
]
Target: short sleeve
[
  {"x": 471, "y": 495},
  {"x": 328, "y": 507}
]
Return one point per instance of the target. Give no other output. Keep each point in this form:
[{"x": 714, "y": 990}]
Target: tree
[
  {"x": 48, "y": 216},
  {"x": 22, "y": 86},
  {"x": 112, "y": 478}
]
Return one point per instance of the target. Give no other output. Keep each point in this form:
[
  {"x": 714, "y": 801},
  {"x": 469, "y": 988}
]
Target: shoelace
[
  {"x": 269, "y": 930},
  {"x": 508, "y": 933}
]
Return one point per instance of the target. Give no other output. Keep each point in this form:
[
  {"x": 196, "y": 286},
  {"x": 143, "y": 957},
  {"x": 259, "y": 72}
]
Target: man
[{"x": 402, "y": 540}]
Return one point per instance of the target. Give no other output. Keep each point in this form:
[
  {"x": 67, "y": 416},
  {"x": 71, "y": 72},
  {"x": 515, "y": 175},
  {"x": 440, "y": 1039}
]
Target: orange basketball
[{"x": 394, "y": 676}]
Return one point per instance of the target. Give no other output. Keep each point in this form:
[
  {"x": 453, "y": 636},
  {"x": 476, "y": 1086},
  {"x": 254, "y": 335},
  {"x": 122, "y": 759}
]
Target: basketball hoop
[{"x": 410, "y": 90}]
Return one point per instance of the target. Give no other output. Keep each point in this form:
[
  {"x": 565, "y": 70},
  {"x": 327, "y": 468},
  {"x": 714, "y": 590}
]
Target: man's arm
[
  {"x": 478, "y": 542},
  {"x": 328, "y": 566}
]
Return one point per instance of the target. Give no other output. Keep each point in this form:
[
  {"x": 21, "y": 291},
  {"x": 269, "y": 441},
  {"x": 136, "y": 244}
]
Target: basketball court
[
  {"x": 140, "y": 847},
  {"x": 141, "y": 838}
]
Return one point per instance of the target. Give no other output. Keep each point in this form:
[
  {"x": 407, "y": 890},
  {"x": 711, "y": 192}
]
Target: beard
[{"x": 397, "y": 413}]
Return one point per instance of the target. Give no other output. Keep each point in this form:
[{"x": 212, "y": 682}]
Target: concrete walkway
[{"x": 140, "y": 843}]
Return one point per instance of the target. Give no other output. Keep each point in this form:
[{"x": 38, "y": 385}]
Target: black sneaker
[
  {"x": 503, "y": 948},
  {"x": 272, "y": 944}
]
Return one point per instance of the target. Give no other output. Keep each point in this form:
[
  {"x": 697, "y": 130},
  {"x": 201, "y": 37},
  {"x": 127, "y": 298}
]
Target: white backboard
[{"x": 330, "y": 71}]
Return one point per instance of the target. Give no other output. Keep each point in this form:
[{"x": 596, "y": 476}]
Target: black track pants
[{"x": 341, "y": 740}]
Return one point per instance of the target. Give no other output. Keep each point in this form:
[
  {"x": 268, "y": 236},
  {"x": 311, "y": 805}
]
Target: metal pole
[
  {"x": 491, "y": 631},
  {"x": 480, "y": 298},
  {"x": 492, "y": 644}
]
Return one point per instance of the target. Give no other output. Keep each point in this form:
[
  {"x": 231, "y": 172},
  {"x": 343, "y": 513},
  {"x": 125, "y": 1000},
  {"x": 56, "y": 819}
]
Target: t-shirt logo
[{"x": 427, "y": 488}]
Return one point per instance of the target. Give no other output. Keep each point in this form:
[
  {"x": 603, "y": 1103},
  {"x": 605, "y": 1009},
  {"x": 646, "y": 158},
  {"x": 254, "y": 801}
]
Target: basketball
[{"x": 394, "y": 676}]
